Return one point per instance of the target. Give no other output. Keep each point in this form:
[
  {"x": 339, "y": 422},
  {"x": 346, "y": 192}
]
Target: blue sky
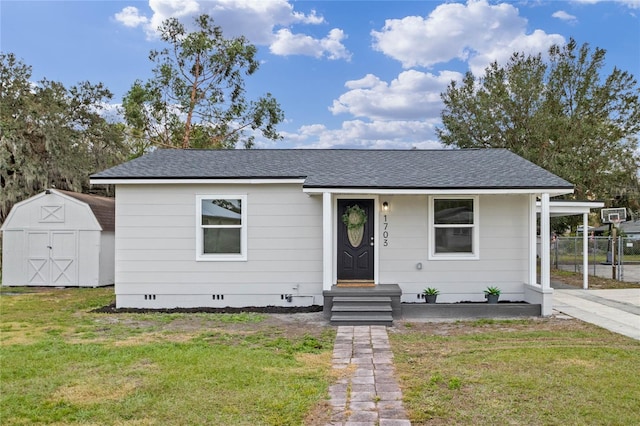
[{"x": 347, "y": 73}]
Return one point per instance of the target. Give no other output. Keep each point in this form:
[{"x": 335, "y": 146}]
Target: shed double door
[{"x": 52, "y": 258}]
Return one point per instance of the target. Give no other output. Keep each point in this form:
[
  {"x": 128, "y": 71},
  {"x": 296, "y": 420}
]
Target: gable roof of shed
[
  {"x": 103, "y": 208},
  {"x": 410, "y": 169}
]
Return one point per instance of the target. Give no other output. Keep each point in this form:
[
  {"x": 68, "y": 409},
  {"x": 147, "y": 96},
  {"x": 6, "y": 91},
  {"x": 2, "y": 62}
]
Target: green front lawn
[
  {"x": 518, "y": 372},
  {"x": 62, "y": 364}
]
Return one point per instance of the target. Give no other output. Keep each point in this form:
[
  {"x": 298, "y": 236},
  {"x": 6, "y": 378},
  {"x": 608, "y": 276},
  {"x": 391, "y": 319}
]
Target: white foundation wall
[
  {"x": 156, "y": 267},
  {"x": 503, "y": 251}
]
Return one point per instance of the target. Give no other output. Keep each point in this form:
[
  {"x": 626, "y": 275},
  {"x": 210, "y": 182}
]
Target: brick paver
[{"x": 367, "y": 392}]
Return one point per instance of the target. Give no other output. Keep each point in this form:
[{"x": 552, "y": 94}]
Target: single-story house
[
  {"x": 629, "y": 228},
  {"x": 238, "y": 228},
  {"x": 59, "y": 238}
]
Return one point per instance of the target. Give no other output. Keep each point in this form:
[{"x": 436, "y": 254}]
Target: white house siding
[
  {"x": 503, "y": 251},
  {"x": 155, "y": 244}
]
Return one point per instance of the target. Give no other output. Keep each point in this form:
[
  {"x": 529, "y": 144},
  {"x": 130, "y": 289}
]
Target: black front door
[{"x": 355, "y": 239}]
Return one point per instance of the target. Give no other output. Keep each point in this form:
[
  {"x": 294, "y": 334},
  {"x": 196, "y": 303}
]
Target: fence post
[
  {"x": 595, "y": 249},
  {"x": 575, "y": 256},
  {"x": 614, "y": 250},
  {"x": 621, "y": 258}
]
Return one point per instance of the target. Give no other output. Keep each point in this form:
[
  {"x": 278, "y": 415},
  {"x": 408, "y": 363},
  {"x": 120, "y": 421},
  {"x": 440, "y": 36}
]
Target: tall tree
[
  {"x": 196, "y": 98},
  {"x": 51, "y": 136},
  {"x": 563, "y": 115}
]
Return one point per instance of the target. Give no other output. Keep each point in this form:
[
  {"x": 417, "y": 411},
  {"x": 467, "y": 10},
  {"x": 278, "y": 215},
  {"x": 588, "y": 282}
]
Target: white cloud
[
  {"x": 401, "y": 114},
  {"x": 130, "y": 17},
  {"x": 266, "y": 23},
  {"x": 537, "y": 42},
  {"x": 632, "y": 4},
  {"x": 412, "y": 95},
  {"x": 477, "y": 32},
  {"x": 286, "y": 43},
  {"x": 562, "y": 15},
  {"x": 372, "y": 135}
]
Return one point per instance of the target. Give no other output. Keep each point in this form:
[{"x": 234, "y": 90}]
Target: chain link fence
[{"x": 619, "y": 259}]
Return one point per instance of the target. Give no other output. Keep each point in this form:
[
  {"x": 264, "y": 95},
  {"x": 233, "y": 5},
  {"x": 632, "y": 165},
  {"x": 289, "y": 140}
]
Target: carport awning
[
  {"x": 559, "y": 208},
  {"x": 570, "y": 208}
]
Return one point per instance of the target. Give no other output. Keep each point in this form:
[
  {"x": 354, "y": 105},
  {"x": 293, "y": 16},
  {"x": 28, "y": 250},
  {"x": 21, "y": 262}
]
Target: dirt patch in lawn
[
  {"x": 291, "y": 322},
  {"x": 111, "y": 309},
  {"x": 93, "y": 391},
  {"x": 471, "y": 326}
]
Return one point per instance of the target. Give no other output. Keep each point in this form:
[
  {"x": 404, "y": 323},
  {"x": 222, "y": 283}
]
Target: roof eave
[
  {"x": 193, "y": 180},
  {"x": 552, "y": 191}
]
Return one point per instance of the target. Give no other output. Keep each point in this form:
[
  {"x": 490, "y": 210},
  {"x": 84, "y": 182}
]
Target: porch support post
[
  {"x": 533, "y": 243},
  {"x": 545, "y": 249},
  {"x": 585, "y": 251},
  {"x": 327, "y": 241}
]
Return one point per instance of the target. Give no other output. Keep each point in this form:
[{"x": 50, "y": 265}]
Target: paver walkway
[{"x": 367, "y": 392}]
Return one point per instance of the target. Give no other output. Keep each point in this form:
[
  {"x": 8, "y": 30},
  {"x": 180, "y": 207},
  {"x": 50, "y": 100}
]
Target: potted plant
[
  {"x": 492, "y": 294},
  {"x": 431, "y": 294}
]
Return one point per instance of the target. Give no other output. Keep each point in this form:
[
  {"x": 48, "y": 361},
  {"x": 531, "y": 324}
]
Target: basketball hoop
[{"x": 613, "y": 216}]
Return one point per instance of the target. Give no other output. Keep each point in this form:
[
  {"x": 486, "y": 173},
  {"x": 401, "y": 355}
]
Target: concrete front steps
[
  {"x": 377, "y": 305},
  {"x": 369, "y": 310}
]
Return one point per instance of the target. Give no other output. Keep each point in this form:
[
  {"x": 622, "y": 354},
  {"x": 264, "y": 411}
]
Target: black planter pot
[
  {"x": 492, "y": 298},
  {"x": 430, "y": 298}
]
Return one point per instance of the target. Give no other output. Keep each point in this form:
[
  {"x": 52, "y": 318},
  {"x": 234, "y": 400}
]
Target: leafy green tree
[
  {"x": 563, "y": 115},
  {"x": 196, "y": 97},
  {"x": 51, "y": 136}
]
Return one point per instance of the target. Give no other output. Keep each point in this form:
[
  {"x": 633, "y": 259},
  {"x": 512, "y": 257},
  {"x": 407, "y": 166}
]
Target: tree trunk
[{"x": 192, "y": 105}]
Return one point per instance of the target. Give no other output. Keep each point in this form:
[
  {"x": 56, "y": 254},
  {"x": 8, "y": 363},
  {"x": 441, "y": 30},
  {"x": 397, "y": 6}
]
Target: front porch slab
[{"x": 418, "y": 311}]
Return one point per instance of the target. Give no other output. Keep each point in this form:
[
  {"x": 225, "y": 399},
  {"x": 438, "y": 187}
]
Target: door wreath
[{"x": 354, "y": 219}]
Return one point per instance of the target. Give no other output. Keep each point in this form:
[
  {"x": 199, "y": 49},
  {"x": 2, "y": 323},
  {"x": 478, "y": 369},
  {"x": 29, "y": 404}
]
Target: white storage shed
[{"x": 59, "y": 238}]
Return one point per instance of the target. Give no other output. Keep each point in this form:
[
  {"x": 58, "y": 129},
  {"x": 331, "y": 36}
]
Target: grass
[
  {"x": 575, "y": 279},
  {"x": 571, "y": 258},
  {"x": 530, "y": 372},
  {"x": 62, "y": 364}
]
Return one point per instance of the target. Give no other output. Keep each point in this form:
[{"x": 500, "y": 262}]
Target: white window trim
[
  {"x": 242, "y": 256},
  {"x": 475, "y": 235}
]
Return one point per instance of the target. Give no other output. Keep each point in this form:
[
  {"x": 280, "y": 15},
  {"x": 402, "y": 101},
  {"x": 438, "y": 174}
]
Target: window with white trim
[
  {"x": 454, "y": 225},
  {"x": 221, "y": 227}
]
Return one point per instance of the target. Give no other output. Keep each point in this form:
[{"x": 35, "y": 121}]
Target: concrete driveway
[{"x": 616, "y": 310}]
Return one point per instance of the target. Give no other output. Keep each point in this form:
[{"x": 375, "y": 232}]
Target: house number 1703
[{"x": 385, "y": 231}]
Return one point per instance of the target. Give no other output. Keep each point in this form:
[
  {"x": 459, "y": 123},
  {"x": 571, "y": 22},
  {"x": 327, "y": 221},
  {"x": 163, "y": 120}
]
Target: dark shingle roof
[{"x": 410, "y": 169}]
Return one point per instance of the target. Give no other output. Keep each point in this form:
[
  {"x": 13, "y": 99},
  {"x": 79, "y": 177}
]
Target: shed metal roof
[{"x": 407, "y": 169}]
